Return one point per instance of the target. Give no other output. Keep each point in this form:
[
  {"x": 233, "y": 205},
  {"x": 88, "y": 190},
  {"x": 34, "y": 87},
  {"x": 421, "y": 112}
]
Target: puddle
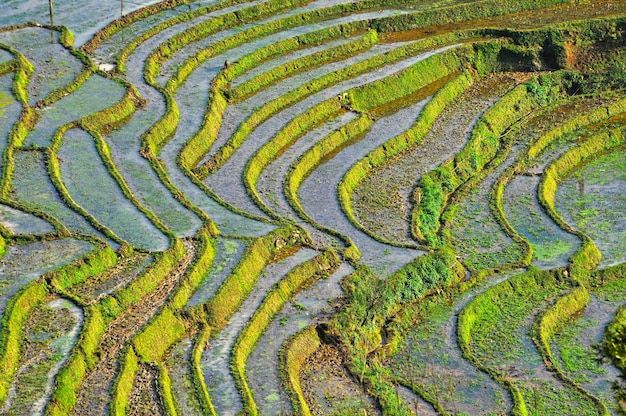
[
  {"x": 215, "y": 362},
  {"x": 82, "y": 172},
  {"x": 96, "y": 94},
  {"x": 262, "y": 369},
  {"x": 593, "y": 200}
]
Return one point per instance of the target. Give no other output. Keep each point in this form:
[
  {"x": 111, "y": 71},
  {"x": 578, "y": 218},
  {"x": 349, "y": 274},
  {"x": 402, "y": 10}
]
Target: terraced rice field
[{"x": 396, "y": 207}]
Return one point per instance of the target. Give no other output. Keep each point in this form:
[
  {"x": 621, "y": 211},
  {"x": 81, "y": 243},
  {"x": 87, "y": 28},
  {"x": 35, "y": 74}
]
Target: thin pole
[
  {"x": 121, "y": 8},
  {"x": 51, "y": 21}
]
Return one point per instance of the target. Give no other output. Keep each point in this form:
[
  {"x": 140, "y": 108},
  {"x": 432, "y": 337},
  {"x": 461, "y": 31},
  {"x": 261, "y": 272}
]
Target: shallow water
[
  {"x": 82, "y": 172},
  {"x": 216, "y": 358}
]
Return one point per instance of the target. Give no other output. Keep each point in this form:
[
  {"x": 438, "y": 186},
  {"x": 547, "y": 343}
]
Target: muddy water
[
  {"x": 263, "y": 365},
  {"x": 34, "y": 188},
  {"x": 113, "y": 46},
  {"x": 227, "y": 183},
  {"x": 192, "y": 96},
  {"x": 477, "y": 236},
  {"x": 96, "y": 94},
  {"x": 227, "y": 256},
  {"x": 237, "y": 113},
  {"x": 82, "y": 172},
  {"x": 552, "y": 245},
  {"x": 5, "y": 56},
  {"x": 578, "y": 339},
  {"x": 319, "y": 199},
  {"x": 215, "y": 362},
  {"x": 432, "y": 360},
  {"x": 143, "y": 181},
  {"x": 593, "y": 200},
  {"x": 25, "y": 263},
  {"x": 283, "y": 34},
  {"x": 62, "y": 347},
  {"x": 283, "y": 59},
  {"x": 82, "y": 24},
  {"x": 509, "y": 350},
  {"x": 44, "y": 354},
  {"x": 414, "y": 402},
  {"x": 54, "y": 66},
  {"x": 23, "y": 223},
  {"x": 383, "y": 200},
  {"x": 178, "y": 363},
  {"x": 270, "y": 185}
]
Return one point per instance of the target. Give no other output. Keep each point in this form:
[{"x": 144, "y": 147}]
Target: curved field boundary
[
  {"x": 238, "y": 286},
  {"x": 112, "y": 28},
  {"x": 614, "y": 341},
  {"x": 435, "y": 187},
  {"x": 123, "y": 55},
  {"x": 564, "y": 310},
  {"x": 85, "y": 355},
  {"x": 486, "y": 303},
  {"x": 158, "y": 135},
  {"x": 588, "y": 256},
  {"x": 268, "y": 78},
  {"x": 292, "y": 356},
  {"x": 284, "y": 139},
  {"x": 202, "y": 392},
  {"x": 372, "y": 303},
  {"x": 534, "y": 150},
  {"x": 396, "y": 146},
  {"x": 28, "y": 118},
  {"x": 54, "y": 171},
  {"x": 224, "y": 153},
  {"x": 164, "y": 330},
  {"x": 199, "y": 145},
  {"x": 309, "y": 161},
  {"x": 299, "y": 277},
  {"x": 32, "y": 296},
  {"x": 419, "y": 19}
]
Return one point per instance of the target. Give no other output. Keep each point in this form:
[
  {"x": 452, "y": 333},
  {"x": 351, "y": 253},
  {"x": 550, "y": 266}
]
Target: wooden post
[{"x": 51, "y": 21}]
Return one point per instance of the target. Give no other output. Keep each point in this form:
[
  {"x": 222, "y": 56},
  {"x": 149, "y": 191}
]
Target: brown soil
[
  {"x": 144, "y": 398},
  {"x": 329, "y": 387},
  {"x": 94, "y": 399}
]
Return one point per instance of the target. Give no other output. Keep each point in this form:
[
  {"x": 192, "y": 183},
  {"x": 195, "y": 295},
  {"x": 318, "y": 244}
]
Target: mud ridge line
[{"x": 94, "y": 399}]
